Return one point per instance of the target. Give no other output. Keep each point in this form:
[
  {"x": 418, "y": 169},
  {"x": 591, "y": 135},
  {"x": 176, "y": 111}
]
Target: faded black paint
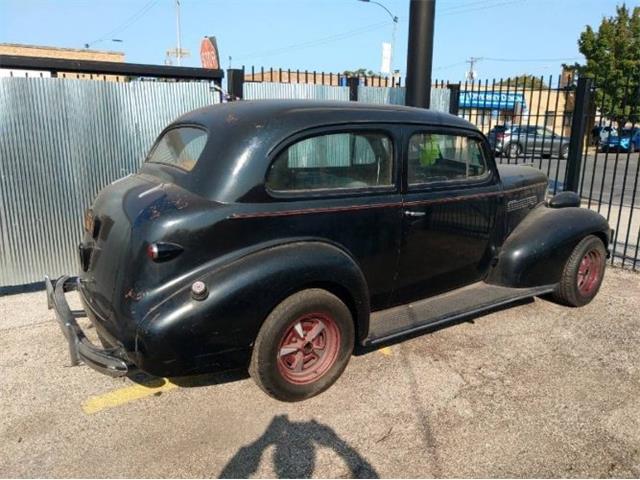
[{"x": 252, "y": 250}]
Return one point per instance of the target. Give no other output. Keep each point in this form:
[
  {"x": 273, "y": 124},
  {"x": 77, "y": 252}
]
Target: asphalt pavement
[
  {"x": 606, "y": 177},
  {"x": 538, "y": 390}
]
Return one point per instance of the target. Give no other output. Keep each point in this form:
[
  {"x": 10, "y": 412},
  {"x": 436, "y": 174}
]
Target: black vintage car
[{"x": 281, "y": 235}]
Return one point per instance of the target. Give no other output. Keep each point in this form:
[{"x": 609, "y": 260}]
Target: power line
[
  {"x": 529, "y": 59},
  {"x": 445, "y": 67},
  {"x": 316, "y": 42},
  {"x": 130, "y": 21},
  {"x": 484, "y": 6}
]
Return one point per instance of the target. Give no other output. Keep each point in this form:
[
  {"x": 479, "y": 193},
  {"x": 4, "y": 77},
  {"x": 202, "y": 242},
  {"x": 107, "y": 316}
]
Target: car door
[
  {"x": 451, "y": 205},
  {"x": 340, "y": 185},
  {"x": 546, "y": 141},
  {"x": 533, "y": 142}
]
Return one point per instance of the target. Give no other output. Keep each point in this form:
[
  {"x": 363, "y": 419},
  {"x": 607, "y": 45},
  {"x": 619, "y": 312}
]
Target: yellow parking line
[
  {"x": 124, "y": 395},
  {"x": 386, "y": 351}
]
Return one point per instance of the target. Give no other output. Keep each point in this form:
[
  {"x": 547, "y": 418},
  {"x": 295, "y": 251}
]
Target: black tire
[
  {"x": 267, "y": 366},
  {"x": 513, "y": 150},
  {"x": 569, "y": 292},
  {"x": 564, "y": 151}
]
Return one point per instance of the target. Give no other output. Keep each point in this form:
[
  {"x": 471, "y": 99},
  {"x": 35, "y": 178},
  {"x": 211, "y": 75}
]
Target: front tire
[
  {"x": 583, "y": 273},
  {"x": 303, "y": 346},
  {"x": 564, "y": 152},
  {"x": 514, "y": 150}
]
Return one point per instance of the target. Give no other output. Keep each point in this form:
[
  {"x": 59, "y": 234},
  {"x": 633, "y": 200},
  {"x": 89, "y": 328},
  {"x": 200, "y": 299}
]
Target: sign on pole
[
  {"x": 209, "y": 53},
  {"x": 386, "y": 58}
]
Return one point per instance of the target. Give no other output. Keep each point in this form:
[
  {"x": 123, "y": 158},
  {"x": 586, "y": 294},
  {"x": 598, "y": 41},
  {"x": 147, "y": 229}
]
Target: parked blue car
[{"x": 627, "y": 141}]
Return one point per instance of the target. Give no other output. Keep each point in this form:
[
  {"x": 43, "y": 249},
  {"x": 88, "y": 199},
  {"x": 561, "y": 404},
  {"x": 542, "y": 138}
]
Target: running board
[{"x": 386, "y": 325}]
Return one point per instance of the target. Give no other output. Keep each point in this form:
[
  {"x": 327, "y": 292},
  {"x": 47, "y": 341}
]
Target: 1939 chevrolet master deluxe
[{"x": 279, "y": 235}]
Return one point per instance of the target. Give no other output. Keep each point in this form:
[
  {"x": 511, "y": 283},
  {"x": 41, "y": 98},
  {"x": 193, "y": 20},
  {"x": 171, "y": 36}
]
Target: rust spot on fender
[
  {"x": 180, "y": 203},
  {"x": 155, "y": 213},
  {"x": 133, "y": 295}
]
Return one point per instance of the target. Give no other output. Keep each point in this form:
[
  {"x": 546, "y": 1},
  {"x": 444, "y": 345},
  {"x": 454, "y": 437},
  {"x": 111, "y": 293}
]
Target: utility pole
[
  {"x": 178, "y": 57},
  {"x": 179, "y": 53},
  {"x": 420, "y": 52},
  {"x": 471, "y": 74},
  {"x": 394, "y": 19}
]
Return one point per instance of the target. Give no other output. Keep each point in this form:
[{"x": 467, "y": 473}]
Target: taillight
[
  {"x": 163, "y": 251},
  {"x": 500, "y": 136}
]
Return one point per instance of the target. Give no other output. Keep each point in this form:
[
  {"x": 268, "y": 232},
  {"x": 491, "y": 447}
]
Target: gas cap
[{"x": 199, "y": 290}]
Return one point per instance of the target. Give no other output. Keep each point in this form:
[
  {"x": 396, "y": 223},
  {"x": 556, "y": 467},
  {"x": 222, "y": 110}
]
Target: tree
[
  {"x": 360, "y": 72},
  {"x": 524, "y": 81},
  {"x": 613, "y": 59}
]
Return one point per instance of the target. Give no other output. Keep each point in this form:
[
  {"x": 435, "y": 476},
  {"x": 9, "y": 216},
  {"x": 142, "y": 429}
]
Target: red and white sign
[{"x": 209, "y": 53}]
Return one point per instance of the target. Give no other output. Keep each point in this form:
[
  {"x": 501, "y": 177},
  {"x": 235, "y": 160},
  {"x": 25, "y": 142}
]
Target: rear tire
[
  {"x": 583, "y": 273},
  {"x": 564, "y": 151},
  {"x": 303, "y": 346}
]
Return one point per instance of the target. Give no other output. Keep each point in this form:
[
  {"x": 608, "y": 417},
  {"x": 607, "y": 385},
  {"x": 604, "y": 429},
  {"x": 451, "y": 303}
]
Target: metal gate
[{"x": 583, "y": 137}]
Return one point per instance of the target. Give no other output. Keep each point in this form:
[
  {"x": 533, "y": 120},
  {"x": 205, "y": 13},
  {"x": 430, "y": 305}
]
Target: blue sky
[{"x": 514, "y": 36}]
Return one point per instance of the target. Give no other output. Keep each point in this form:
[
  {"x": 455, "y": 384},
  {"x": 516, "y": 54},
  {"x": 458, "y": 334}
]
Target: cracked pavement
[{"x": 537, "y": 390}]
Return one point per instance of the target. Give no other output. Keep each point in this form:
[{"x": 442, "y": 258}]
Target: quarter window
[
  {"x": 353, "y": 160},
  {"x": 435, "y": 157},
  {"x": 180, "y": 147}
]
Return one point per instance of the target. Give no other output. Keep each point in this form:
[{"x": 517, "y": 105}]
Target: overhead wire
[{"x": 129, "y": 22}]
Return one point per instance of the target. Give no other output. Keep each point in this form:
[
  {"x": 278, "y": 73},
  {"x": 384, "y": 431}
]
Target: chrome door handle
[{"x": 413, "y": 213}]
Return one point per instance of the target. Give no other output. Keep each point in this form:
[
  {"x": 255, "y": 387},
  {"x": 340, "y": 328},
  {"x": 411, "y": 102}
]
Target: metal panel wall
[
  {"x": 440, "y": 97},
  {"x": 388, "y": 95},
  {"x": 61, "y": 141},
  {"x": 265, "y": 90}
]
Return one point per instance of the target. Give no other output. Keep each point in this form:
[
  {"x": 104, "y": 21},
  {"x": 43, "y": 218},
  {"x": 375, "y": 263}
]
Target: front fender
[
  {"x": 241, "y": 295},
  {"x": 536, "y": 251}
]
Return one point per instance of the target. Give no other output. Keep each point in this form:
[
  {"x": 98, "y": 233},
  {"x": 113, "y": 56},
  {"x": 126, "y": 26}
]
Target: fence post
[
  {"x": 578, "y": 127},
  {"x": 352, "y": 83},
  {"x": 235, "y": 83},
  {"x": 454, "y": 99}
]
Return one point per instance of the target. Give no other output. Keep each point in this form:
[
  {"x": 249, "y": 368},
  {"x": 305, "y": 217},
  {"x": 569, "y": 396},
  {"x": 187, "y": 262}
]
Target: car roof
[
  {"x": 242, "y": 136},
  {"x": 301, "y": 114}
]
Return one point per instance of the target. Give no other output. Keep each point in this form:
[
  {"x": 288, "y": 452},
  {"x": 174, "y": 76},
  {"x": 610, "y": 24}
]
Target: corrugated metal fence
[
  {"x": 440, "y": 97},
  {"x": 61, "y": 141},
  {"x": 265, "y": 90}
]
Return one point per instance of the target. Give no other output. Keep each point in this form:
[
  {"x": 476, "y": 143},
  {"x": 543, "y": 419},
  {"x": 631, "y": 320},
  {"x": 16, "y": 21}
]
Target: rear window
[{"x": 180, "y": 147}]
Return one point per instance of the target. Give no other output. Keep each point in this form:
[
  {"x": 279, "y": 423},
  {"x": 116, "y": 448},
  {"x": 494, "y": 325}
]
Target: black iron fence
[
  {"x": 287, "y": 75},
  {"x": 581, "y": 132}
]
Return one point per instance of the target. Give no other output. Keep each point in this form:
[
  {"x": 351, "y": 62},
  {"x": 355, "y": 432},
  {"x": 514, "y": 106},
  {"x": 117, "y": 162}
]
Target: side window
[
  {"x": 335, "y": 161},
  {"x": 435, "y": 157}
]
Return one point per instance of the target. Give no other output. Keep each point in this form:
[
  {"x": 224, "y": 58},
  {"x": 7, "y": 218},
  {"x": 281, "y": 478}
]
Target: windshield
[{"x": 180, "y": 147}]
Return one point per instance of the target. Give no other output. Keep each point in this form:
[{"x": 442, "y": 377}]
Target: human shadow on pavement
[{"x": 296, "y": 445}]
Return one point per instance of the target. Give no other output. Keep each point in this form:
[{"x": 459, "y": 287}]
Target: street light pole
[
  {"x": 178, "y": 45},
  {"x": 420, "y": 52},
  {"x": 394, "y": 19},
  {"x": 89, "y": 45}
]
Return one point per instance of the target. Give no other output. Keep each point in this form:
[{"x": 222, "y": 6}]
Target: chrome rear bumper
[{"x": 110, "y": 361}]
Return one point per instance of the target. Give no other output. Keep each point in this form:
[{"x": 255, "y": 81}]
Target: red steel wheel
[
  {"x": 303, "y": 346},
  {"x": 588, "y": 277},
  {"x": 582, "y": 273},
  {"x": 309, "y": 348}
]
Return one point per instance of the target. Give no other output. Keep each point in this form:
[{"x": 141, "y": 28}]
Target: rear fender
[
  {"x": 536, "y": 251},
  {"x": 241, "y": 294}
]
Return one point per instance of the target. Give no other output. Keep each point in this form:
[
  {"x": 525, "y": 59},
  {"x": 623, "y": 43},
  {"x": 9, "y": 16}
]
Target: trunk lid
[{"x": 106, "y": 248}]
